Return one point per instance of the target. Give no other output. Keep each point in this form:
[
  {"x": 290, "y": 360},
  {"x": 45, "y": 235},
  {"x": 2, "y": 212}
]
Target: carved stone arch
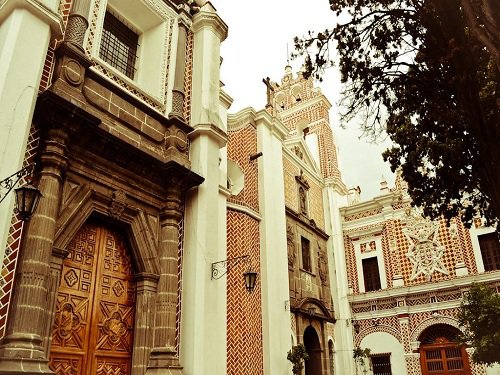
[
  {"x": 303, "y": 304},
  {"x": 373, "y": 329},
  {"x": 414, "y": 336},
  {"x": 85, "y": 203}
]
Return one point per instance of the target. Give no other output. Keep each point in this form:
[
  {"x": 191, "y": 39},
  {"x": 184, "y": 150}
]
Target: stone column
[
  {"x": 21, "y": 349},
  {"x": 77, "y": 22},
  {"x": 164, "y": 352},
  {"x": 178, "y": 94}
]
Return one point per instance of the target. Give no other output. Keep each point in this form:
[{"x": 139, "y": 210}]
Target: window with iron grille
[
  {"x": 381, "y": 364},
  {"x": 119, "y": 45},
  {"x": 306, "y": 254},
  {"x": 490, "y": 251},
  {"x": 371, "y": 274}
]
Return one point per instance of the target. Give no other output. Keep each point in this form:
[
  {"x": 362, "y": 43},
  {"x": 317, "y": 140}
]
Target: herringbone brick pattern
[
  {"x": 244, "y": 309},
  {"x": 14, "y": 239},
  {"x": 188, "y": 76},
  {"x": 241, "y": 144}
]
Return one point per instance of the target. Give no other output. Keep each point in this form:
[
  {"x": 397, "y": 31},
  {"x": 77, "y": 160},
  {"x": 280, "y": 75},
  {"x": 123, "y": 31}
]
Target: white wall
[{"x": 382, "y": 342}]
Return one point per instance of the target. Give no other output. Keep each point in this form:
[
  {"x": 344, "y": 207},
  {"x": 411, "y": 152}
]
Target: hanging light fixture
[
  {"x": 250, "y": 279},
  {"x": 27, "y": 197},
  {"x": 219, "y": 269}
]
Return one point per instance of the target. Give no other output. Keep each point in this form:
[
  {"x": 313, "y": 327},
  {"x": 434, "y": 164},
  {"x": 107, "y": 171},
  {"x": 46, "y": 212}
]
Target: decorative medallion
[
  {"x": 425, "y": 251},
  {"x": 114, "y": 327},
  {"x": 118, "y": 204},
  {"x": 118, "y": 288},
  {"x": 66, "y": 321},
  {"x": 71, "y": 278}
]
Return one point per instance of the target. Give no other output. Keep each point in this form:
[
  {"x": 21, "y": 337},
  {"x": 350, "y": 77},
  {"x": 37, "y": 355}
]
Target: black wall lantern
[
  {"x": 219, "y": 269},
  {"x": 27, "y": 196}
]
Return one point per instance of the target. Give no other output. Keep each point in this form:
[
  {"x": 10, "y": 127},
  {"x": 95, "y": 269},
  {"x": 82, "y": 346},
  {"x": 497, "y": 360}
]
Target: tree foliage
[
  {"x": 479, "y": 315},
  {"x": 297, "y": 355},
  {"x": 428, "y": 73}
]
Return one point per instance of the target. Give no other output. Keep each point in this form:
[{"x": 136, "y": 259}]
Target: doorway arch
[
  {"x": 441, "y": 353},
  {"x": 313, "y": 348},
  {"x": 95, "y": 305}
]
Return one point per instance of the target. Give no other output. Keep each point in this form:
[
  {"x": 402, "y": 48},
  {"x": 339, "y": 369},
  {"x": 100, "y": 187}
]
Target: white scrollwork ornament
[{"x": 425, "y": 252}]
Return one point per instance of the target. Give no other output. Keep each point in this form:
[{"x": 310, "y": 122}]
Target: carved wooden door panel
[{"x": 94, "y": 322}]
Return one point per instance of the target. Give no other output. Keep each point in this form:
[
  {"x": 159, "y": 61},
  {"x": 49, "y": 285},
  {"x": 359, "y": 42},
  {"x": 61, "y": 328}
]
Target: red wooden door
[
  {"x": 93, "y": 327},
  {"x": 444, "y": 358}
]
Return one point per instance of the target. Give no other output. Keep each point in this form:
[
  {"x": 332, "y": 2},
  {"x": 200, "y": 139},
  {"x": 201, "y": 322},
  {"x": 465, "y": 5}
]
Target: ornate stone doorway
[
  {"x": 95, "y": 305},
  {"x": 313, "y": 347},
  {"x": 441, "y": 354}
]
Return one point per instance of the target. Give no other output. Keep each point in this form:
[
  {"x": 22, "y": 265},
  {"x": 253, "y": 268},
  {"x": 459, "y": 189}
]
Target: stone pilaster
[
  {"x": 56, "y": 265},
  {"x": 178, "y": 94},
  {"x": 21, "y": 349},
  {"x": 164, "y": 352},
  {"x": 147, "y": 285}
]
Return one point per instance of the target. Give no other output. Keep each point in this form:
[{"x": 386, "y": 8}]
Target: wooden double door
[
  {"x": 445, "y": 358},
  {"x": 94, "y": 321}
]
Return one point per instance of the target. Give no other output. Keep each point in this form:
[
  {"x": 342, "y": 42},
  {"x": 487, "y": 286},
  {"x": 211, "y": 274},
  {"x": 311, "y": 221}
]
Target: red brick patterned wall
[
  {"x": 241, "y": 144},
  {"x": 244, "y": 309}
]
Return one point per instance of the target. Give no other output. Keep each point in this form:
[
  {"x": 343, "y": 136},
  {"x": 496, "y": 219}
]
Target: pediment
[{"x": 299, "y": 148}]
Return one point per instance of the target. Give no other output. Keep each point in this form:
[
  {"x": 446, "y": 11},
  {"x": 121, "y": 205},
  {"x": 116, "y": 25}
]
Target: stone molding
[{"x": 207, "y": 20}]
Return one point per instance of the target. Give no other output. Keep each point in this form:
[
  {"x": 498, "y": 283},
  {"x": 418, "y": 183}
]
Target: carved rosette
[{"x": 177, "y": 139}]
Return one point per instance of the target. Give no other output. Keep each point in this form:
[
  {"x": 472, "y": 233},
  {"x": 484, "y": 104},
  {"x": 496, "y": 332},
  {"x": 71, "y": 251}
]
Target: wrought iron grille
[{"x": 119, "y": 45}]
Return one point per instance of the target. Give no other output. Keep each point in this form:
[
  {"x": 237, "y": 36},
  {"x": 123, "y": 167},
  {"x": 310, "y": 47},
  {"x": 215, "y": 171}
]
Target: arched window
[{"x": 441, "y": 353}]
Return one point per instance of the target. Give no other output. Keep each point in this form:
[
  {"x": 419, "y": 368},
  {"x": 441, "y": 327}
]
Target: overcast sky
[{"x": 256, "y": 47}]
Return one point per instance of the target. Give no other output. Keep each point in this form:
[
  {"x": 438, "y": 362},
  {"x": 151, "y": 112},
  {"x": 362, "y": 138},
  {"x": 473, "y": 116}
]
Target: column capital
[{"x": 210, "y": 20}]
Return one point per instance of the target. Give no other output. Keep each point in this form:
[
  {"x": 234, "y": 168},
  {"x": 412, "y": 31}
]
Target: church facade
[{"x": 157, "y": 206}]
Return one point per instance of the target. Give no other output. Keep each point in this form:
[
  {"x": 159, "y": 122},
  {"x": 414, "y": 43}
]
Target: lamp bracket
[
  {"x": 222, "y": 267},
  {"x": 10, "y": 182}
]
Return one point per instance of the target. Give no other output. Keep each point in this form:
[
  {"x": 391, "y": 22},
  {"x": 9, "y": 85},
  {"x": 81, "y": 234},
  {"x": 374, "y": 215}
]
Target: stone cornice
[
  {"x": 244, "y": 209},
  {"x": 211, "y": 131},
  {"x": 276, "y": 126},
  {"x": 240, "y": 119},
  {"x": 406, "y": 291},
  {"x": 225, "y": 99},
  {"x": 337, "y": 185},
  {"x": 379, "y": 202},
  {"x": 212, "y": 21},
  {"x": 39, "y": 10},
  {"x": 307, "y": 103}
]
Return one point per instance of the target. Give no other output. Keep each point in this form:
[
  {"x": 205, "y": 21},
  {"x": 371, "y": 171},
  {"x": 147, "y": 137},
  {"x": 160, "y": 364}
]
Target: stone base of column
[
  {"x": 22, "y": 354},
  {"x": 15, "y": 366},
  {"x": 163, "y": 361}
]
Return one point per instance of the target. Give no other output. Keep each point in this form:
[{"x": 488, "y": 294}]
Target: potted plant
[
  {"x": 297, "y": 355},
  {"x": 360, "y": 356}
]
